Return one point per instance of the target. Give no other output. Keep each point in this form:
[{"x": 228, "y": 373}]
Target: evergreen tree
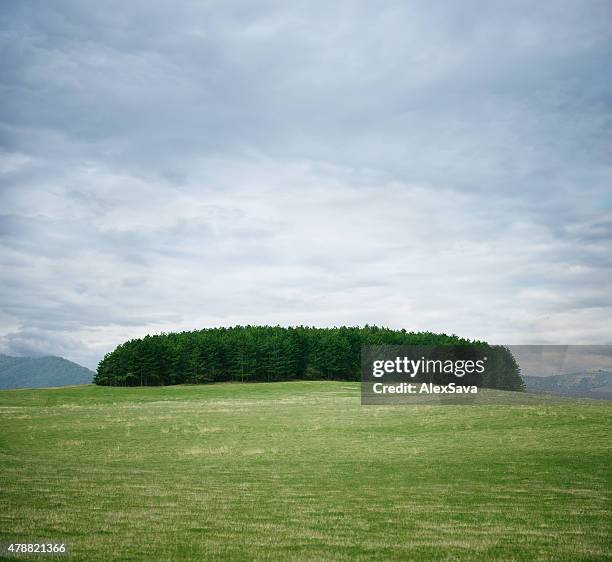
[{"x": 273, "y": 353}]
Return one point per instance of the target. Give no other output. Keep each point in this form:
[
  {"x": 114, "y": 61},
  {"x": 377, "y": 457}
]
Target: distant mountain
[
  {"x": 588, "y": 384},
  {"x": 34, "y": 372}
]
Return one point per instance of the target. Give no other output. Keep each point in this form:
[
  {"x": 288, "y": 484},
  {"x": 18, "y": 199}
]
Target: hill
[
  {"x": 588, "y": 384},
  {"x": 35, "y": 372},
  {"x": 301, "y": 471}
]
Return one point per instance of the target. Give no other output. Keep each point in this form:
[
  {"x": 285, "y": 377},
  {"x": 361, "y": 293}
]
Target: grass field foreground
[{"x": 300, "y": 470}]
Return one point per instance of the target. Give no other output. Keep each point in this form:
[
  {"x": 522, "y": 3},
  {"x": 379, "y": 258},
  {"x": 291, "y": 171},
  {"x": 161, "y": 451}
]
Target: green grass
[{"x": 300, "y": 470}]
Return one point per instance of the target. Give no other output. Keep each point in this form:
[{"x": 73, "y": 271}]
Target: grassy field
[{"x": 300, "y": 470}]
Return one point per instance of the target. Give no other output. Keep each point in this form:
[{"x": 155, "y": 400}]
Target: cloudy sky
[{"x": 441, "y": 166}]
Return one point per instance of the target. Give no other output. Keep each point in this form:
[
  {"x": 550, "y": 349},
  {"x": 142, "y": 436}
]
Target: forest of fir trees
[{"x": 270, "y": 353}]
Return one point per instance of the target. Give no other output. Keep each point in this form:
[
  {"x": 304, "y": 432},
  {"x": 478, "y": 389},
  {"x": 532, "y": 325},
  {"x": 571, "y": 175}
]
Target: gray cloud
[{"x": 176, "y": 166}]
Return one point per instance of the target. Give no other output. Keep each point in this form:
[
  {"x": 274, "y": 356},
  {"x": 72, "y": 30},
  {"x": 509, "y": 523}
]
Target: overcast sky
[{"x": 442, "y": 166}]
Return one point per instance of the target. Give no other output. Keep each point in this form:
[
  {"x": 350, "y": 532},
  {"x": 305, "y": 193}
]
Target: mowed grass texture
[{"x": 301, "y": 471}]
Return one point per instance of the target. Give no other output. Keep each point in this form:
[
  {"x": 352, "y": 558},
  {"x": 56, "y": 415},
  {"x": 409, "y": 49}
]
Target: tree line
[{"x": 268, "y": 353}]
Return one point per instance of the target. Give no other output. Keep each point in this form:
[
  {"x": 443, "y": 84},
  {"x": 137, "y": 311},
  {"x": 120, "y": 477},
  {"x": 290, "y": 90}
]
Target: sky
[{"x": 441, "y": 166}]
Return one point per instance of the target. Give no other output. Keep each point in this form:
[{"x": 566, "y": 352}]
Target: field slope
[{"x": 300, "y": 470}]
